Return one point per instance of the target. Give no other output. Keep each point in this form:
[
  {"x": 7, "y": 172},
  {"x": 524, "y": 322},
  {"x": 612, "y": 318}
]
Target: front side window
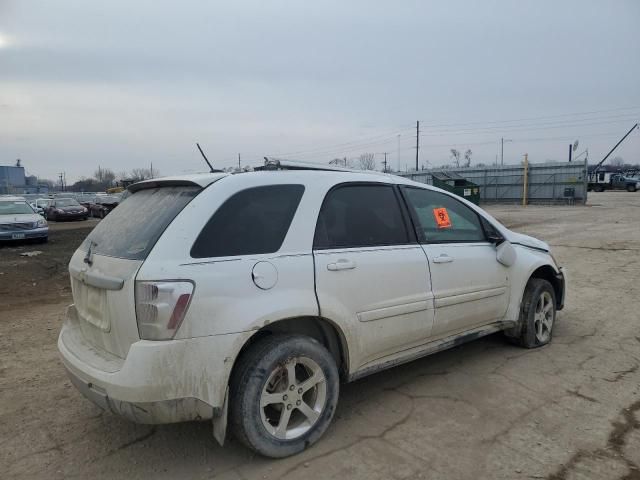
[
  {"x": 441, "y": 218},
  {"x": 253, "y": 221},
  {"x": 360, "y": 215}
]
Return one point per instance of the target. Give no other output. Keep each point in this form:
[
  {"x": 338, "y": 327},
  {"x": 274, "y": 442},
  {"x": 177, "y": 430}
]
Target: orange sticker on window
[{"x": 442, "y": 217}]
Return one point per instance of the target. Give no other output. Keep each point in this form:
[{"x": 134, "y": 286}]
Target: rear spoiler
[
  {"x": 146, "y": 184},
  {"x": 197, "y": 180}
]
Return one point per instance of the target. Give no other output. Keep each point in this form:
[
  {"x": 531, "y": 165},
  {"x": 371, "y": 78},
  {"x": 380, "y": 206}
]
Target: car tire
[
  {"x": 43, "y": 240},
  {"x": 598, "y": 188},
  {"x": 537, "y": 314},
  {"x": 272, "y": 414},
  {"x": 631, "y": 188}
]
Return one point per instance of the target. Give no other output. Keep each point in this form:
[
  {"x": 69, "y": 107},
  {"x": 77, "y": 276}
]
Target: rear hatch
[{"x": 104, "y": 268}]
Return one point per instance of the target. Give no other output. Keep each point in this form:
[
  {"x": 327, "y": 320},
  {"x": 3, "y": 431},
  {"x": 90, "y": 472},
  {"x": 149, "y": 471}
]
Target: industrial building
[{"x": 13, "y": 180}]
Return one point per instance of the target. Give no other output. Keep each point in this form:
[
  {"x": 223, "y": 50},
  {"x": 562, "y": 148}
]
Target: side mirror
[
  {"x": 495, "y": 238},
  {"x": 506, "y": 254}
]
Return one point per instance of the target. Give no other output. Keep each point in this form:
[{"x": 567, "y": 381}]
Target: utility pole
[
  {"x": 238, "y": 161},
  {"x": 385, "y": 162},
  {"x": 151, "y": 171},
  {"x": 398, "y": 152},
  {"x": 570, "y": 150},
  {"x": 525, "y": 181},
  {"x": 417, "y": 143}
]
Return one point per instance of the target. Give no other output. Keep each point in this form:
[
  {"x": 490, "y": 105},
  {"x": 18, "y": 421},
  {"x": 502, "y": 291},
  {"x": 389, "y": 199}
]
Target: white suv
[{"x": 251, "y": 296}]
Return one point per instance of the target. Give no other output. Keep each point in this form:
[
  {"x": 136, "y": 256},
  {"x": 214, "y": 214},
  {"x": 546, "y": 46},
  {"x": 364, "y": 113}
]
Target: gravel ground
[{"x": 487, "y": 409}]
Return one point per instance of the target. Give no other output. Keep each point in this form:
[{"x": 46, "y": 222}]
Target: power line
[
  {"x": 533, "y": 118},
  {"x": 337, "y": 146},
  {"x": 514, "y": 128}
]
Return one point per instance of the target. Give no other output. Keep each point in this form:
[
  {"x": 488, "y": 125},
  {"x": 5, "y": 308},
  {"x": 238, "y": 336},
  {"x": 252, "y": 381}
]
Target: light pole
[{"x": 502, "y": 140}]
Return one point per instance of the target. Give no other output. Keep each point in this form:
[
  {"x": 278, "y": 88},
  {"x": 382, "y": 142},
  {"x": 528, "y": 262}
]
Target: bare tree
[
  {"x": 342, "y": 162},
  {"x": 366, "y": 161},
  {"x": 139, "y": 174},
  {"x": 455, "y": 155},
  {"x": 104, "y": 176},
  {"x": 617, "y": 162},
  {"x": 467, "y": 157}
]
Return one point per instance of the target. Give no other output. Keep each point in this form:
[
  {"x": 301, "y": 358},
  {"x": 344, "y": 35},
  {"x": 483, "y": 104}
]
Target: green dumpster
[{"x": 453, "y": 182}]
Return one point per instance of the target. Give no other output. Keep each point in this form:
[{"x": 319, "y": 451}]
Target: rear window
[
  {"x": 132, "y": 229},
  {"x": 250, "y": 222}
]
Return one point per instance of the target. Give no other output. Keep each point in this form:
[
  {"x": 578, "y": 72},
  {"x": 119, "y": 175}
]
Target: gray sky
[{"x": 122, "y": 84}]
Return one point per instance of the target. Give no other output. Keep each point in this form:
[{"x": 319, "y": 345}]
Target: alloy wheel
[
  {"x": 543, "y": 317},
  {"x": 293, "y": 398}
]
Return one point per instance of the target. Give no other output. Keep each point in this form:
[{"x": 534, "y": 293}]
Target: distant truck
[{"x": 601, "y": 181}]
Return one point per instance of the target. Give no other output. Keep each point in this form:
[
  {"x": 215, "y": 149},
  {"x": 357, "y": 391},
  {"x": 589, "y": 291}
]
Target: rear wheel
[
  {"x": 598, "y": 188},
  {"x": 283, "y": 394},
  {"x": 537, "y": 314},
  {"x": 631, "y": 188}
]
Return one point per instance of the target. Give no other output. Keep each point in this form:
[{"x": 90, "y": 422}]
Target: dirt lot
[{"x": 487, "y": 409}]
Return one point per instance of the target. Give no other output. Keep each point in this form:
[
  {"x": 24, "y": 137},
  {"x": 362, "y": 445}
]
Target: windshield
[
  {"x": 66, "y": 202},
  {"x": 131, "y": 230},
  {"x": 14, "y": 207}
]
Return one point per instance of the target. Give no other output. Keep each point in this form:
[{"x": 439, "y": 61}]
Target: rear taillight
[{"x": 161, "y": 307}]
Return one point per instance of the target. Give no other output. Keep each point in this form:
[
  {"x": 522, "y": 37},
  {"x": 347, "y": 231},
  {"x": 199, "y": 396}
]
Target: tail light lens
[{"x": 161, "y": 307}]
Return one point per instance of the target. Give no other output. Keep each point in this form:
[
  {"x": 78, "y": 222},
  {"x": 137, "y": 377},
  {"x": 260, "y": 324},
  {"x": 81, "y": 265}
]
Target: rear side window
[
  {"x": 441, "y": 218},
  {"x": 133, "y": 227},
  {"x": 360, "y": 216},
  {"x": 250, "y": 222}
]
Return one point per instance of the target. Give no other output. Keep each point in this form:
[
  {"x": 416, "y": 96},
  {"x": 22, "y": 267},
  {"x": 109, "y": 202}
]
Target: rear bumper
[
  {"x": 33, "y": 233},
  {"x": 159, "y": 381}
]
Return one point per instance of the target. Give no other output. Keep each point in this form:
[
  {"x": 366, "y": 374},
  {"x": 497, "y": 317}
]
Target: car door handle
[
  {"x": 342, "y": 264},
  {"x": 443, "y": 258}
]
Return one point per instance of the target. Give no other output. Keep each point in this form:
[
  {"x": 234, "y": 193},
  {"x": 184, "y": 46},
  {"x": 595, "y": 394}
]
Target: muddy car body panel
[{"x": 193, "y": 273}]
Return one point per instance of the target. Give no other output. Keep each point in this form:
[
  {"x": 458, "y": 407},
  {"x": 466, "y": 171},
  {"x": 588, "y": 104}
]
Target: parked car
[
  {"x": 66, "y": 209},
  {"x": 102, "y": 205},
  {"x": 42, "y": 203},
  {"x": 249, "y": 297},
  {"x": 19, "y": 221},
  {"x": 36, "y": 208}
]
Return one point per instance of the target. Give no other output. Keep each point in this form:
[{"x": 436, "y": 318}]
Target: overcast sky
[{"x": 125, "y": 83}]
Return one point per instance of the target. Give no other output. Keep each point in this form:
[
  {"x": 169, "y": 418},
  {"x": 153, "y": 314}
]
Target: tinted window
[
  {"x": 253, "y": 221},
  {"x": 360, "y": 216},
  {"x": 132, "y": 229},
  {"x": 442, "y": 218}
]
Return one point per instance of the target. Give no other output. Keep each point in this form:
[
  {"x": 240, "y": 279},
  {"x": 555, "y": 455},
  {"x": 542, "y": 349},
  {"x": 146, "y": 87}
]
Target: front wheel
[
  {"x": 283, "y": 394},
  {"x": 537, "y": 314},
  {"x": 631, "y": 188}
]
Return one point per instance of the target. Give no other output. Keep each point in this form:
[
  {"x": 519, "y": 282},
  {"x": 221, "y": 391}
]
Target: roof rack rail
[{"x": 271, "y": 163}]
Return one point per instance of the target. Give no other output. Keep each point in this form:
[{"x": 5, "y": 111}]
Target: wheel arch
[
  {"x": 321, "y": 329},
  {"x": 548, "y": 273}
]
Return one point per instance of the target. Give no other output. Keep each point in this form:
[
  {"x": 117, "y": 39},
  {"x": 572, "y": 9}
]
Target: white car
[
  {"x": 19, "y": 221},
  {"x": 251, "y": 296}
]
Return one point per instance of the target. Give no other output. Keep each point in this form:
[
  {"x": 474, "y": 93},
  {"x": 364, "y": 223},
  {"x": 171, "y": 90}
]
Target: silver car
[{"x": 19, "y": 221}]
